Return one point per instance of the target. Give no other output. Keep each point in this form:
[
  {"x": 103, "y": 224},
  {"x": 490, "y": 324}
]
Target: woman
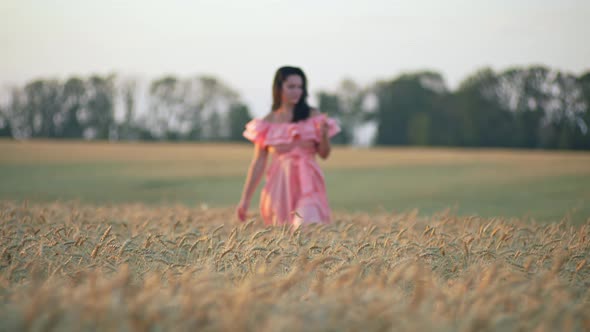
[{"x": 292, "y": 133}]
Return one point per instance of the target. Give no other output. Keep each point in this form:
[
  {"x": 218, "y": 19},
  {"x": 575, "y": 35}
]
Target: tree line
[
  {"x": 108, "y": 107},
  {"x": 534, "y": 107}
]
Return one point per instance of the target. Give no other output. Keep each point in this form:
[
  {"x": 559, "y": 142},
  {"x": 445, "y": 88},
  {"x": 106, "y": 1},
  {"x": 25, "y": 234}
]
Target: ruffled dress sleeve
[
  {"x": 255, "y": 131},
  {"x": 333, "y": 125}
]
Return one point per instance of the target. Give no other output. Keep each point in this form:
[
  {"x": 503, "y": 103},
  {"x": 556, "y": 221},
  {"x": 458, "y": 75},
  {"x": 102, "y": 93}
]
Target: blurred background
[{"x": 423, "y": 78}]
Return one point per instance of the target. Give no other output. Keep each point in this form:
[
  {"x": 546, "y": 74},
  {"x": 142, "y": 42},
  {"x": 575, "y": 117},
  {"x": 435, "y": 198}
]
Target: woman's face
[{"x": 292, "y": 89}]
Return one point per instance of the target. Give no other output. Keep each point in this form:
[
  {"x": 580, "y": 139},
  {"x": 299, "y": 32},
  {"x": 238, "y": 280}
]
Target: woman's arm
[
  {"x": 324, "y": 144},
  {"x": 255, "y": 171}
]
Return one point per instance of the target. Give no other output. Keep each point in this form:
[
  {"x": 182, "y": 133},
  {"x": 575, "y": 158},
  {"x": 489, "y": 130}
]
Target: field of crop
[
  {"x": 134, "y": 267},
  {"x": 138, "y": 237},
  {"x": 543, "y": 185}
]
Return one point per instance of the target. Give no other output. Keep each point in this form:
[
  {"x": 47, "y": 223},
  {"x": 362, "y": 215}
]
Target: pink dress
[{"x": 294, "y": 191}]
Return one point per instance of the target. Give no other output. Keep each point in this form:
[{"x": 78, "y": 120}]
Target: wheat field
[
  {"x": 72, "y": 266},
  {"x": 137, "y": 237}
]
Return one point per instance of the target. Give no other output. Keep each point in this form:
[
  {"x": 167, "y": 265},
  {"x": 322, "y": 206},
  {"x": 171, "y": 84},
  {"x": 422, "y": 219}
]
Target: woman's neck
[
  {"x": 286, "y": 108},
  {"x": 284, "y": 113}
]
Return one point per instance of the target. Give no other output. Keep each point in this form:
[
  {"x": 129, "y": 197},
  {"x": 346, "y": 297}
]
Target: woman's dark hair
[{"x": 302, "y": 109}]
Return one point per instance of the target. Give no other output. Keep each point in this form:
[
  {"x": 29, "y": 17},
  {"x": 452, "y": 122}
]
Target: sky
[{"x": 243, "y": 42}]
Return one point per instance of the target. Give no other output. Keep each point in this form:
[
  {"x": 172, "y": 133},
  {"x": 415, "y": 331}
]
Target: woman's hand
[{"x": 242, "y": 210}]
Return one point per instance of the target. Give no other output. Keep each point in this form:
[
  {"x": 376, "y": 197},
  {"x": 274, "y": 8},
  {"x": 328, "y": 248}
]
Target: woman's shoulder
[
  {"x": 260, "y": 121},
  {"x": 267, "y": 118},
  {"x": 313, "y": 112},
  {"x": 315, "y": 115},
  {"x": 259, "y": 124}
]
